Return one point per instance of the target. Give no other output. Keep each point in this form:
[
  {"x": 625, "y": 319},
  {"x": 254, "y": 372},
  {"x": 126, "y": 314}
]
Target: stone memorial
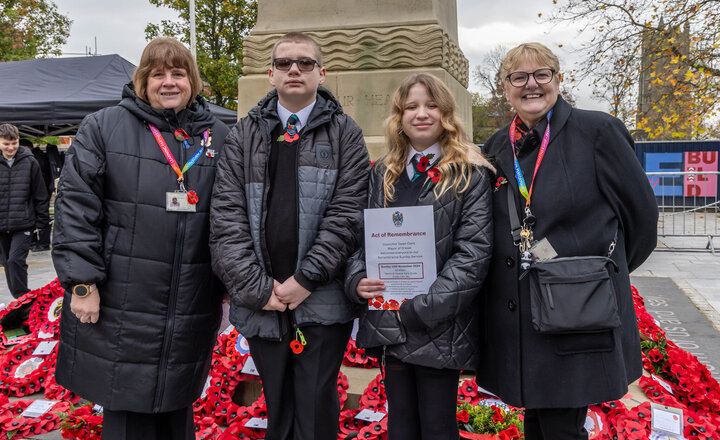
[{"x": 368, "y": 48}]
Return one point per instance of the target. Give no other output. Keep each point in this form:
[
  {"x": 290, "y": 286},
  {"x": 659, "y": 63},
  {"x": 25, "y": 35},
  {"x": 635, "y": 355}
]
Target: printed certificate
[{"x": 400, "y": 251}]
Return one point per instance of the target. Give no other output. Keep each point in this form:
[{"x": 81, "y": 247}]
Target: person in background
[
  {"x": 286, "y": 206},
  {"x": 434, "y": 335},
  {"x": 572, "y": 178},
  {"x": 23, "y": 208},
  {"x": 141, "y": 306}
]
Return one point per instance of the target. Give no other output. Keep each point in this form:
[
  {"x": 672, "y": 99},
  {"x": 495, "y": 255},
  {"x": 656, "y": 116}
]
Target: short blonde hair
[
  {"x": 297, "y": 37},
  {"x": 168, "y": 52},
  {"x": 536, "y": 52}
]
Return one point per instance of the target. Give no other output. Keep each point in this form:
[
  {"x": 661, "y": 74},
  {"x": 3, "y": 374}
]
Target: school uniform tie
[
  {"x": 291, "y": 129},
  {"x": 418, "y": 167}
]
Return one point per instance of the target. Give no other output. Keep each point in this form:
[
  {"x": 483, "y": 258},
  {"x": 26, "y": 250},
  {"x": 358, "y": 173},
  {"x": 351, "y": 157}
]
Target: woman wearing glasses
[{"x": 575, "y": 186}]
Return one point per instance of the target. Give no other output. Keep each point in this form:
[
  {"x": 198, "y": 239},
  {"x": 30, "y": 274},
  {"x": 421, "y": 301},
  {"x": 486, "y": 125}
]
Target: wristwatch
[{"x": 82, "y": 290}]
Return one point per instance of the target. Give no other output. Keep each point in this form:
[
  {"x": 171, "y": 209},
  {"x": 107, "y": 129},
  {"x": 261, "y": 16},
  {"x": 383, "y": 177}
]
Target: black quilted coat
[
  {"x": 23, "y": 197},
  {"x": 440, "y": 328},
  {"x": 159, "y": 301},
  {"x": 333, "y": 165}
]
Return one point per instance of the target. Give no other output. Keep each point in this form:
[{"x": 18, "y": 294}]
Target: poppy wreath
[
  {"x": 468, "y": 392},
  {"x": 489, "y": 420},
  {"x": 82, "y": 423},
  {"x": 53, "y": 391},
  {"x": 206, "y": 428},
  {"x": 16, "y": 426},
  {"x": 342, "y": 387},
  {"x": 14, "y": 305},
  {"x": 374, "y": 430},
  {"x": 237, "y": 431},
  {"x": 45, "y": 312},
  {"x": 691, "y": 383},
  {"x": 373, "y": 398},
  {"x": 21, "y": 373},
  {"x": 347, "y": 423},
  {"x": 356, "y": 357}
]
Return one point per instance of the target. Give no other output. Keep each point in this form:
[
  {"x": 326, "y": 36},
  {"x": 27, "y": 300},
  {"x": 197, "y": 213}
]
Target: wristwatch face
[{"x": 81, "y": 290}]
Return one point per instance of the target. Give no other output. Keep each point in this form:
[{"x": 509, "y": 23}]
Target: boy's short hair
[
  {"x": 9, "y": 131},
  {"x": 297, "y": 37}
]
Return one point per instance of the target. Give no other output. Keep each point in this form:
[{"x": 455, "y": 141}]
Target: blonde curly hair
[{"x": 458, "y": 153}]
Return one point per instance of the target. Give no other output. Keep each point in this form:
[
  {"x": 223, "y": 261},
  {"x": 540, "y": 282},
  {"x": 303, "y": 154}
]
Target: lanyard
[
  {"x": 168, "y": 155},
  {"x": 541, "y": 154}
]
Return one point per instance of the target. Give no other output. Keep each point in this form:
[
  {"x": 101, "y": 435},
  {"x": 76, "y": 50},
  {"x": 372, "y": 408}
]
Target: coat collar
[{"x": 503, "y": 155}]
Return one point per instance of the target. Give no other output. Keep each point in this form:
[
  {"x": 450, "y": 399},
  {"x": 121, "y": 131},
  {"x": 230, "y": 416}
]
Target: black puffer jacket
[
  {"x": 333, "y": 164},
  {"x": 159, "y": 301},
  {"x": 441, "y": 328},
  {"x": 23, "y": 197}
]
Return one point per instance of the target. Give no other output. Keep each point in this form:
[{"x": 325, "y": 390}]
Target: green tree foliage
[
  {"x": 30, "y": 29},
  {"x": 657, "y": 62},
  {"x": 221, "y": 26}
]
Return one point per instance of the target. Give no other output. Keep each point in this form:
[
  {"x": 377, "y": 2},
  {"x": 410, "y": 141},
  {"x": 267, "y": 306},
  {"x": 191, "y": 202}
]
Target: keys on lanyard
[{"x": 526, "y": 231}]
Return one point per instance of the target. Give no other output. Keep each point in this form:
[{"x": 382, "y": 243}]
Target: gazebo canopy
[{"x": 50, "y": 96}]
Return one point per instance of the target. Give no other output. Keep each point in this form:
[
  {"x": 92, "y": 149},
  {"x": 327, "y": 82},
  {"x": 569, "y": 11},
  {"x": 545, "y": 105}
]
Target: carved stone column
[{"x": 368, "y": 47}]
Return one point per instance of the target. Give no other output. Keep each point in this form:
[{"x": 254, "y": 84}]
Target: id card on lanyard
[
  {"x": 180, "y": 200},
  {"x": 526, "y": 233}
]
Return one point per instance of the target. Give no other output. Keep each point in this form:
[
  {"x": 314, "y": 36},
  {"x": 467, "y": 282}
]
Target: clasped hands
[{"x": 287, "y": 295}]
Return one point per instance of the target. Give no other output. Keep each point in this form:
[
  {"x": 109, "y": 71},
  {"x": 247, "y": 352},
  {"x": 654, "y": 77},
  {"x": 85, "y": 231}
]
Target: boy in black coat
[
  {"x": 287, "y": 203},
  {"x": 23, "y": 207}
]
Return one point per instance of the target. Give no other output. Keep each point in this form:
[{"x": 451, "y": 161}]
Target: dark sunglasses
[{"x": 304, "y": 64}]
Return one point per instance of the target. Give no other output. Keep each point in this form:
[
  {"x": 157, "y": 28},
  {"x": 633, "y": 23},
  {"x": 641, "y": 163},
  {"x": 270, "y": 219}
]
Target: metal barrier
[{"x": 688, "y": 204}]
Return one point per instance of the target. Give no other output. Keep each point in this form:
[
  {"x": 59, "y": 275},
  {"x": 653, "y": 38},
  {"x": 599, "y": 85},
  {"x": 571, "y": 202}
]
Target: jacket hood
[
  {"x": 21, "y": 153},
  {"x": 193, "y": 119},
  {"x": 325, "y": 106}
]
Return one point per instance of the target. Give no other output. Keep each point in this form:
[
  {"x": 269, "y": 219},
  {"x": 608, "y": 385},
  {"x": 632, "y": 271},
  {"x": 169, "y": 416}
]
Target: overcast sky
[{"x": 119, "y": 26}]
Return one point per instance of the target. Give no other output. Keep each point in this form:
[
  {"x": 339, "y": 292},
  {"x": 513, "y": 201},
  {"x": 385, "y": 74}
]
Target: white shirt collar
[
  {"x": 433, "y": 149},
  {"x": 302, "y": 115}
]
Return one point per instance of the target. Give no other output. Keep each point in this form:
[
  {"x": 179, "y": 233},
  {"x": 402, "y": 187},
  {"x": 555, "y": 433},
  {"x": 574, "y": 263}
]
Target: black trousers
[
  {"x": 127, "y": 425},
  {"x": 556, "y": 424},
  {"x": 41, "y": 240},
  {"x": 422, "y": 401},
  {"x": 14, "y": 248},
  {"x": 301, "y": 389}
]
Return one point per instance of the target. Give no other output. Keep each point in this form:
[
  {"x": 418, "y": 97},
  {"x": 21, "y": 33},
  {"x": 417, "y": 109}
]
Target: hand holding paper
[{"x": 368, "y": 288}]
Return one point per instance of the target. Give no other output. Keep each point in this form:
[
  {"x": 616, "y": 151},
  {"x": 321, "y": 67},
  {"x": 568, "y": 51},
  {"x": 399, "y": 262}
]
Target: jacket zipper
[{"x": 170, "y": 321}]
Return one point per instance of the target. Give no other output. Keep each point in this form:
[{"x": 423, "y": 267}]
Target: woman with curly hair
[{"x": 434, "y": 335}]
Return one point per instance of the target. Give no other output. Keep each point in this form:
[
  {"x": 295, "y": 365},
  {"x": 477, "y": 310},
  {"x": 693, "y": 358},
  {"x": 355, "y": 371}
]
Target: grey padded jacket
[
  {"x": 333, "y": 165},
  {"x": 440, "y": 328}
]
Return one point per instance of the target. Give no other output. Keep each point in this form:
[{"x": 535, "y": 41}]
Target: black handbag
[{"x": 570, "y": 294}]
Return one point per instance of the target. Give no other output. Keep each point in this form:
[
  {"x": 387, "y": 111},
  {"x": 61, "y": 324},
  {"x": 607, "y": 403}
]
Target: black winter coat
[
  {"x": 589, "y": 186},
  {"x": 333, "y": 165},
  {"x": 440, "y": 328},
  {"x": 159, "y": 301},
  {"x": 23, "y": 197}
]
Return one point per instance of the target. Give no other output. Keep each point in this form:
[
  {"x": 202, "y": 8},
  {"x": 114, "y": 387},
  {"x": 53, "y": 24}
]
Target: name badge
[{"x": 177, "y": 201}]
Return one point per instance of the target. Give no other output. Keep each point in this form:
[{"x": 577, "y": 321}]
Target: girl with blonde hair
[{"x": 434, "y": 335}]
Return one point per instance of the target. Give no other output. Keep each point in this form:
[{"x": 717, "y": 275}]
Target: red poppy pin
[
  {"x": 192, "y": 197},
  {"x": 423, "y": 163},
  {"x": 500, "y": 182},
  {"x": 434, "y": 175}
]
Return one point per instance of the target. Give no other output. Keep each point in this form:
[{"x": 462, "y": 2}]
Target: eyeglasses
[
  {"x": 541, "y": 76},
  {"x": 285, "y": 64}
]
